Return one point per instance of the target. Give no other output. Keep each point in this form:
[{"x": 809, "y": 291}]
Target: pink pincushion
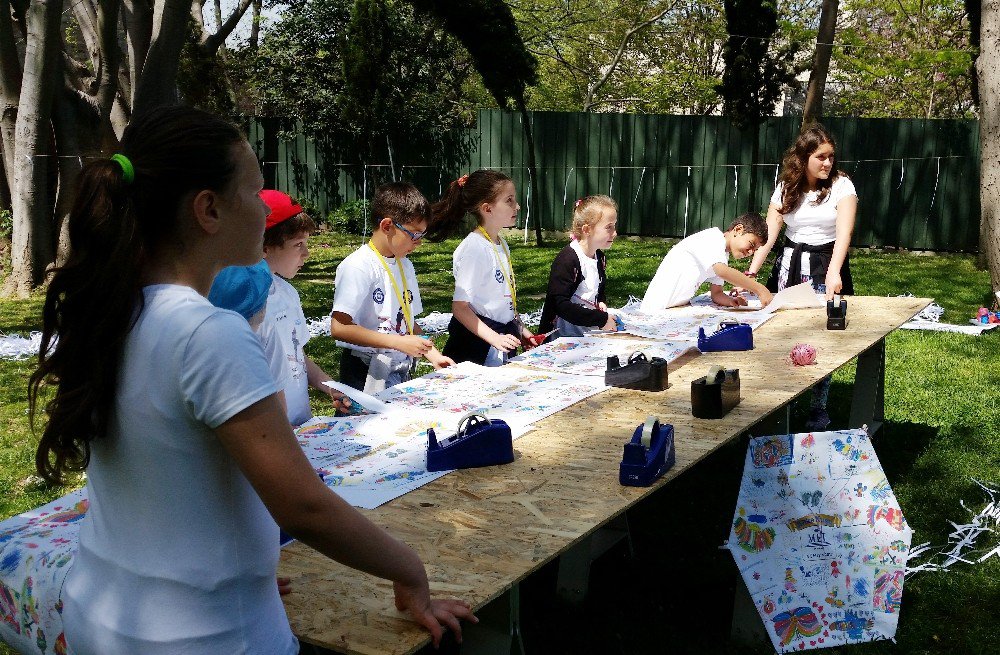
[{"x": 803, "y": 354}]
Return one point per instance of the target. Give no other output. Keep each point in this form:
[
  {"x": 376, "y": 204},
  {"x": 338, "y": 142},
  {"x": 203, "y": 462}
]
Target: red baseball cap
[{"x": 281, "y": 204}]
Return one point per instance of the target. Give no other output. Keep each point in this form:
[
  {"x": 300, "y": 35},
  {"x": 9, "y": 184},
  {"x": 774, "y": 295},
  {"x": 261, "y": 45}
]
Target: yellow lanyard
[
  {"x": 403, "y": 298},
  {"x": 508, "y": 275}
]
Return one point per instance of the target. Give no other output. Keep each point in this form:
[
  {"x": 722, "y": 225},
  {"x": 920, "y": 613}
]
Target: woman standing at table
[
  {"x": 817, "y": 204},
  {"x": 168, "y": 403}
]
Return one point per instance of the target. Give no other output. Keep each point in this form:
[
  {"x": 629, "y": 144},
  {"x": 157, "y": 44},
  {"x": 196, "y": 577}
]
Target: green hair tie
[{"x": 128, "y": 172}]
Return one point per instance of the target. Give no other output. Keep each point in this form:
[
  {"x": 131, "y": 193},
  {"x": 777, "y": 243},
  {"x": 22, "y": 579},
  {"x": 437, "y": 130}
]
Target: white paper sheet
[{"x": 366, "y": 401}]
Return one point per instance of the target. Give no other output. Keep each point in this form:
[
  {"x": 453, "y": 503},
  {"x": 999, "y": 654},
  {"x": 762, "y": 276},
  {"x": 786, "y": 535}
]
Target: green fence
[{"x": 917, "y": 180}]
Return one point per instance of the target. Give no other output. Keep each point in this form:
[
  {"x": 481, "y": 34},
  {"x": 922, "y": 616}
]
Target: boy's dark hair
[
  {"x": 276, "y": 236},
  {"x": 753, "y": 223},
  {"x": 400, "y": 201}
]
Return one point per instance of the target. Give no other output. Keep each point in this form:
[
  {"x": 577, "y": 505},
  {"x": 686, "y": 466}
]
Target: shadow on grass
[{"x": 647, "y": 603}]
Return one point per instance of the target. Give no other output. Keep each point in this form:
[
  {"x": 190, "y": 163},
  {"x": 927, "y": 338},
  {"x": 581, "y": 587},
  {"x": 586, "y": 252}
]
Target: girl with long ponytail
[
  {"x": 168, "y": 404},
  {"x": 485, "y": 326}
]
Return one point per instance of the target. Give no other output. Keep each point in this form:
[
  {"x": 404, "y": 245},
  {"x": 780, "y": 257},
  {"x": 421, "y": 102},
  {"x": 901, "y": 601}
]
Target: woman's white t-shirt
[
  {"x": 814, "y": 225},
  {"x": 482, "y": 271},
  {"x": 177, "y": 552}
]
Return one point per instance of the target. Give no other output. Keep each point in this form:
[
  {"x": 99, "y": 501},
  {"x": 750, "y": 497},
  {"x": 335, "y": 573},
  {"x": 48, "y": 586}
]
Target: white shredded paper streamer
[{"x": 964, "y": 544}]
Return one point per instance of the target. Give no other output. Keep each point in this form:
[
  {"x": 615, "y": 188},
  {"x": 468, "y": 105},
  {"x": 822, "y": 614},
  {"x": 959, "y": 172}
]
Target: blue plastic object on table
[
  {"x": 479, "y": 441},
  {"x": 648, "y": 455},
  {"x": 730, "y": 336}
]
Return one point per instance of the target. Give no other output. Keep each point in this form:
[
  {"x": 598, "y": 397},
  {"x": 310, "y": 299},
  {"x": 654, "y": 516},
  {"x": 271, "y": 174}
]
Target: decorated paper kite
[{"x": 820, "y": 540}]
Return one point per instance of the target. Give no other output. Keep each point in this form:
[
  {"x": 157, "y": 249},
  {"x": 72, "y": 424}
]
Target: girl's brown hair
[
  {"x": 589, "y": 210},
  {"x": 95, "y": 298},
  {"x": 463, "y": 197},
  {"x": 793, "y": 170}
]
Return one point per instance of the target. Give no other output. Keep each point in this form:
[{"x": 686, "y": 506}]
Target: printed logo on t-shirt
[
  {"x": 409, "y": 297},
  {"x": 378, "y": 296},
  {"x": 499, "y": 276}
]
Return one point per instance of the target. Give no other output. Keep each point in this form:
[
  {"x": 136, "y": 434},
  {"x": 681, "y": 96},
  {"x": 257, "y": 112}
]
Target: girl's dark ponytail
[
  {"x": 463, "y": 197},
  {"x": 94, "y": 299}
]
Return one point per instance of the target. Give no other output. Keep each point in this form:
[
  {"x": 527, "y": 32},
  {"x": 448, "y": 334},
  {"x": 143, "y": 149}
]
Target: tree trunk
[
  {"x": 255, "y": 27},
  {"x": 532, "y": 168},
  {"x": 10, "y": 88},
  {"x": 138, "y": 19},
  {"x": 988, "y": 66},
  {"x": 158, "y": 84},
  {"x": 66, "y": 122},
  {"x": 813, "y": 109},
  {"x": 31, "y": 247}
]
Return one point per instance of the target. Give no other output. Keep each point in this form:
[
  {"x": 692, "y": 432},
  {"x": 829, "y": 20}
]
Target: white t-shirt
[
  {"x": 686, "y": 266},
  {"x": 585, "y": 294},
  {"x": 587, "y": 289},
  {"x": 177, "y": 552},
  {"x": 284, "y": 332},
  {"x": 481, "y": 277},
  {"x": 811, "y": 224},
  {"x": 365, "y": 292}
]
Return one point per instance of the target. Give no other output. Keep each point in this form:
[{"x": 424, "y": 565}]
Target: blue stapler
[
  {"x": 648, "y": 455},
  {"x": 731, "y": 335},
  {"x": 479, "y": 441}
]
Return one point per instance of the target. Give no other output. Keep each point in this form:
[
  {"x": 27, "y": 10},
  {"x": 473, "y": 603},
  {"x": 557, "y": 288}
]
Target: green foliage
[
  {"x": 359, "y": 74},
  {"x": 487, "y": 30},
  {"x": 903, "y": 59},
  {"x": 350, "y": 218},
  {"x": 202, "y": 77},
  {"x": 6, "y": 224},
  {"x": 755, "y": 72}
]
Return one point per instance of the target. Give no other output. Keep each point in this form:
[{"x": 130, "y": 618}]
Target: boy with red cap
[{"x": 284, "y": 331}]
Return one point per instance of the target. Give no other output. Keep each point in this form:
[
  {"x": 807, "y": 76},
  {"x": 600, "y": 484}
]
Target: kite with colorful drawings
[{"x": 823, "y": 563}]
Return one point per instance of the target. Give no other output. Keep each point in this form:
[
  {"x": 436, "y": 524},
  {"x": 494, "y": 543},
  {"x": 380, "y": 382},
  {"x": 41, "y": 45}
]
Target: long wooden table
[{"x": 481, "y": 531}]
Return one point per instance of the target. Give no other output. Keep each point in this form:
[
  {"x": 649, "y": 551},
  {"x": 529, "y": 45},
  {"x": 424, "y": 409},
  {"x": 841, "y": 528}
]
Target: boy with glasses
[{"x": 376, "y": 299}]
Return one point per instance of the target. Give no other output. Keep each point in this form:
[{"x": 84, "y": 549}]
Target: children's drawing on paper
[
  {"x": 589, "y": 355},
  {"x": 36, "y": 550},
  {"x": 516, "y": 395},
  {"x": 682, "y": 323},
  {"x": 820, "y": 540}
]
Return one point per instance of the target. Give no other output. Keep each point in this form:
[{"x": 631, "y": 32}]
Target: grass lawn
[{"x": 675, "y": 595}]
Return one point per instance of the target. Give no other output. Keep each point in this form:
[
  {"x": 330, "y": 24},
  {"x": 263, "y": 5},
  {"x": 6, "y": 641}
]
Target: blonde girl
[{"x": 575, "y": 302}]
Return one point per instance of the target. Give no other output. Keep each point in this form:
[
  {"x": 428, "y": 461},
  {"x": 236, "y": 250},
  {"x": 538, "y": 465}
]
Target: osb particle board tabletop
[{"x": 479, "y": 531}]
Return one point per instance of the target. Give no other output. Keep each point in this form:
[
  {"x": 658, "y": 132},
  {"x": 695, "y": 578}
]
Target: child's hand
[
  {"x": 284, "y": 586},
  {"x": 504, "y": 342},
  {"x": 340, "y": 401},
  {"x": 603, "y": 307},
  {"x": 765, "y": 297},
  {"x": 438, "y": 360},
  {"x": 610, "y": 325},
  {"x": 413, "y": 345},
  {"x": 536, "y": 340}
]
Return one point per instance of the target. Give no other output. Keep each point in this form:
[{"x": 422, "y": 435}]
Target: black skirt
[
  {"x": 819, "y": 262},
  {"x": 464, "y": 346}
]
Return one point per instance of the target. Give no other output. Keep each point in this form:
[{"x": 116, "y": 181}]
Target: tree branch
[
  {"x": 589, "y": 101},
  {"x": 213, "y": 42}
]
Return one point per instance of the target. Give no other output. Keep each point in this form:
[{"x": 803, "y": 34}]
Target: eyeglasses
[{"x": 414, "y": 236}]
